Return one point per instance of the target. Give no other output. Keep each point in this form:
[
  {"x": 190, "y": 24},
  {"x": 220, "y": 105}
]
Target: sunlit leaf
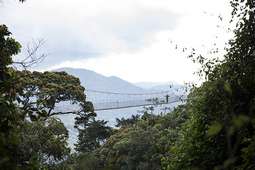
[{"x": 214, "y": 129}]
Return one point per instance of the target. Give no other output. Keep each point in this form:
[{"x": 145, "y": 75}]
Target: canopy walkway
[{"x": 105, "y": 100}]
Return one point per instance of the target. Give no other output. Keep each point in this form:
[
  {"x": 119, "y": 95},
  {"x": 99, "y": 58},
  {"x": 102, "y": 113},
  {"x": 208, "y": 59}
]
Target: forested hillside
[{"x": 213, "y": 130}]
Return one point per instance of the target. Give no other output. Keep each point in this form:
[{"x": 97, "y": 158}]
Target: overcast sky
[{"x": 126, "y": 38}]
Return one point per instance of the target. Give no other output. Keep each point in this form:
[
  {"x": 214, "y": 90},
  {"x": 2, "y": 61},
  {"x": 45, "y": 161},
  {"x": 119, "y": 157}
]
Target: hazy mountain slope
[
  {"x": 149, "y": 85},
  {"x": 92, "y": 80}
]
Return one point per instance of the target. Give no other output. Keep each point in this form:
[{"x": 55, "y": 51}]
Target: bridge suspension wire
[
  {"x": 109, "y": 100},
  {"x": 118, "y": 105},
  {"x": 130, "y": 94}
]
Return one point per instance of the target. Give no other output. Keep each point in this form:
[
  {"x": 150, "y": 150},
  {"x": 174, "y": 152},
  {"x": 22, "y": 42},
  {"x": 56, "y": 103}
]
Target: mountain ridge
[{"x": 96, "y": 81}]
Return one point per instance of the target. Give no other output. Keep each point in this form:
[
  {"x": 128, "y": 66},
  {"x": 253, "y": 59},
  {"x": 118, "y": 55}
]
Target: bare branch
[
  {"x": 32, "y": 54},
  {"x": 65, "y": 113}
]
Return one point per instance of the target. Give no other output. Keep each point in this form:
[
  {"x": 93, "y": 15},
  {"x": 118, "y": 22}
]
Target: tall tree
[
  {"x": 11, "y": 117},
  {"x": 43, "y": 144},
  {"x": 219, "y": 133},
  {"x": 38, "y": 94},
  {"x": 92, "y": 134}
]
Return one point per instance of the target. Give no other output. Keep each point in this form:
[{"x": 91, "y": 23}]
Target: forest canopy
[{"x": 214, "y": 129}]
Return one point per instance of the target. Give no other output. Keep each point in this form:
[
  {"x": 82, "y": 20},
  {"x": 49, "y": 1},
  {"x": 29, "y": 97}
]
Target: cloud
[
  {"x": 156, "y": 62},
  {"x": 84, "y": 28},
  {"x": 129, "y": 38}
]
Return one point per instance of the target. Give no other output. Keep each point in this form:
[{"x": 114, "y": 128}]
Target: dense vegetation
[{"x": 215, "y": 129}]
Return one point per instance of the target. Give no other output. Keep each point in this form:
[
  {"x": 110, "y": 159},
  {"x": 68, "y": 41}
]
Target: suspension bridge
[{"x": 106, "y": 100}]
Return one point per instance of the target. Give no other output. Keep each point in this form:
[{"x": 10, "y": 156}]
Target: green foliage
[
  {"x": 214, "y": 130},
  {"x": 39, "y": 93},
  {"x": 9, "y": 47},
  {"x": 132, "y": 149},
  {"x": 219, "y": 131},
  {"x": 87, "y": 161},
  {"x": 139, "y": 145},
  {"x": 43, "y": 143},
  {"x": 127, "y": 122},
  {"x": 10, "y": 116},
  {"x": 92, "y": 134},
  {"x": 39, "y": 142}
]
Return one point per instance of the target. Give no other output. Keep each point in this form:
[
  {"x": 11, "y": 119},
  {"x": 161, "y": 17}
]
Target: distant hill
[
  {"x": 95, "y": 81},
  {"x": 92, "y": 80}
]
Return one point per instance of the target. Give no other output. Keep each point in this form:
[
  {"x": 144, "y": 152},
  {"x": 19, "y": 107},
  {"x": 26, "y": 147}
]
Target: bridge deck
[{"x": 133, "y": 103}]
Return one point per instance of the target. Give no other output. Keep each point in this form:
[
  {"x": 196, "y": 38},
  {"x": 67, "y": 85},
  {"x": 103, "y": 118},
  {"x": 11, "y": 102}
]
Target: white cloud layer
[{"x": 127, "y": 38}]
